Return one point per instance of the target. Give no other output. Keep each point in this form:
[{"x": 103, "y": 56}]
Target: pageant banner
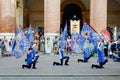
[{"x": 75, "y": 26}]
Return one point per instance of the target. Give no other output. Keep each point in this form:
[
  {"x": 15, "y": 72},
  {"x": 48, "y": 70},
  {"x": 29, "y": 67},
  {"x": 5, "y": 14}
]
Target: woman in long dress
[
  {"x": 42, "y": 43},
  {"x": 48, "y": 46}
]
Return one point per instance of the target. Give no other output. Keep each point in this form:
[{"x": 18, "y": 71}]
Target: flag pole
[{"x": 92, "y": 27}]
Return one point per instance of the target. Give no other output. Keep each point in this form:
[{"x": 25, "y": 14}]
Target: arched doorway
[
  {"x": 33, "y": 13},
  {"x": 69, "y": 12}
]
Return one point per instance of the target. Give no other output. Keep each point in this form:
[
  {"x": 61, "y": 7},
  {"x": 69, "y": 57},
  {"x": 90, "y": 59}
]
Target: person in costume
[
  {"x": 31, "y": 59},
  {"x": 42, "y": 43},
  {"x": 62, "y": 44},
  {"x": 87, "y": 50},
  {"x": 69, "y": 44},
  {"x": 62, "y": 58},
  {"x": 100, "y": 51},
  {"x": 116, "y": 56},
  {"x": 55, "y": 45},
  {"x": 48, "y": 46}
]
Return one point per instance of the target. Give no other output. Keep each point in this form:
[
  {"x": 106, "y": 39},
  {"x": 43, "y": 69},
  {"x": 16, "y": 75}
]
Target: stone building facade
[{"x": 50, "y": 14}]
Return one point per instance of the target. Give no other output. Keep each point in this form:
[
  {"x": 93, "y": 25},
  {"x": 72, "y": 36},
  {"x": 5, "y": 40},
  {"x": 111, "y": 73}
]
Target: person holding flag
[
  {"x": 100, "y": 50},
  {"x": 89, "y": 33},
  {"x": 87, "y": 50},
  {"x": 31, "y": 59},
  {"x": 32, "y": 55},
  {"x": 62, "y": 57},
  {"x": 62, "y": 45}
]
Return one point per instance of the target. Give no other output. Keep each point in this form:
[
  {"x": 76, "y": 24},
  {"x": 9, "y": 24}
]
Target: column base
[
  {"x": 8, "y": 35},
  {"x": 49, "y": 37}
]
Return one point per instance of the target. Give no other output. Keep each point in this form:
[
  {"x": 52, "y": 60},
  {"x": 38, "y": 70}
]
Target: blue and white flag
[
  {"x": 64, "y": 33},
  {"x": 27, "y": 44},
  {"x": 80, "y": 40},
  {"x": 18, "y": 44},
  {"x": 74, "y": 43},
  {"x": 62, "y": 43},
  {"x": 63, "y": 38},
  {"x": 86, "y": 30},
  {"x": 29, "y": 34},
  {"x": 75, "y": 46},
  {"x": 94, "y": 37},
  {"x": 88, "y": 33},
  {"x": 74, "y": 34}
]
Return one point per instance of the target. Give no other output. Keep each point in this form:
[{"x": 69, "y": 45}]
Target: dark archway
[{"x": 69, "y": 12}]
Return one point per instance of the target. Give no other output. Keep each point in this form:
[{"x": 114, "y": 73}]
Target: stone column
[
  {"x": 19, "y": 13},
  {"x": 51, "y": 19},
  {"x": 7, "y": 18},
  {"x": 0, "y": 15},
  {"x": 98, "y": 14}
]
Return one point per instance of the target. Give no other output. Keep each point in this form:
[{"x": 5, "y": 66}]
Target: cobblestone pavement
[{"x": 11, "y": 69}]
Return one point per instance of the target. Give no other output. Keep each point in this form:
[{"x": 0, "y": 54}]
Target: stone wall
[{"x": 7, "y": 16}]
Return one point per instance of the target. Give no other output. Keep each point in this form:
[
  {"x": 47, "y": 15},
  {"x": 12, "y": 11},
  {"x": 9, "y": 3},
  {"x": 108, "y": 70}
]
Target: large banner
[
  {"x": 75, "y": 26},
  {"x": 106, "y": 35}
]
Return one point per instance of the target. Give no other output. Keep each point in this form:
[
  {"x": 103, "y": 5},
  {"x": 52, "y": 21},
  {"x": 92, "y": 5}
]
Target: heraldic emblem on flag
[{"x": 86, "y": 30}]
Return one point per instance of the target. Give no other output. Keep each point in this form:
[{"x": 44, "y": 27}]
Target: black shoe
[
  {"x": 34, "y": 68},
  {"x": 53, "y": 63},
  {"x": 80, "y": 60},
  {"x": 101, "y": 67},
  {"x": 66, "y": 64},
  {"x": 56, "y": 63},
  {"x": 92, "y": 66},
  {"x": 22, "y": 66},
  {"x": 85, "y": 61}
]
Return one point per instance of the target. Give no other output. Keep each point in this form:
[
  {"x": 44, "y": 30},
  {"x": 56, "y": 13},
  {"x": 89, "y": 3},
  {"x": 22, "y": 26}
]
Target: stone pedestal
[
  {"x": 51, "y": 21},
  {"x": 49, "y": 38},
  {"x": 98, "y": 14}
]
